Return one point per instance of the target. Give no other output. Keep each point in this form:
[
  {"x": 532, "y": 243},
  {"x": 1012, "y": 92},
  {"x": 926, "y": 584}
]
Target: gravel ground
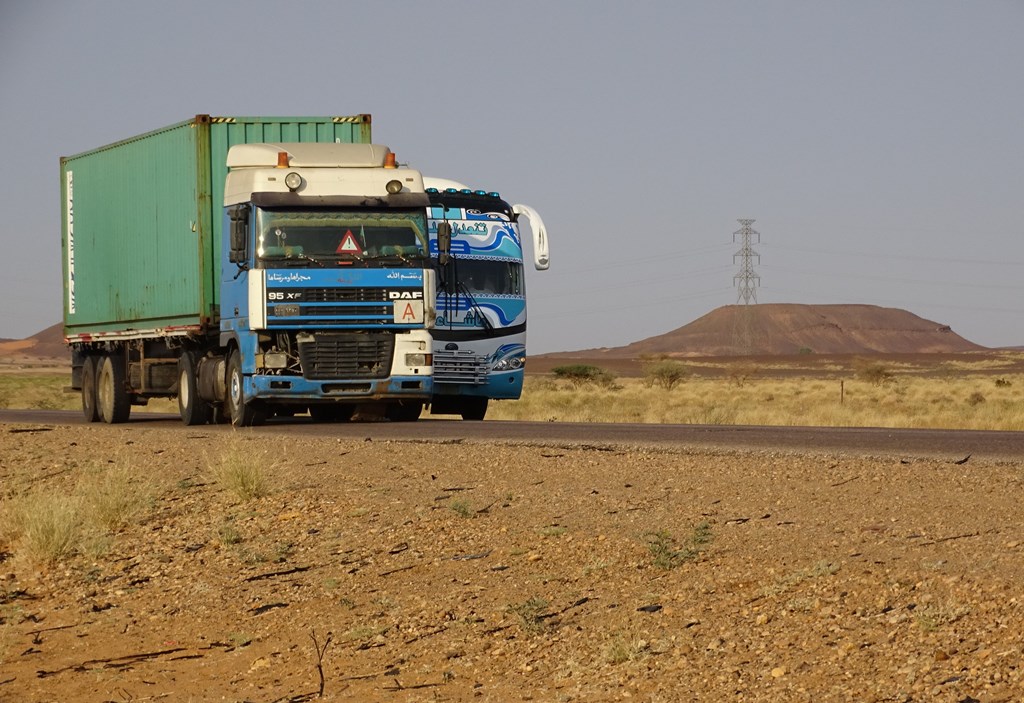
[{"x": 424, "y": 572}]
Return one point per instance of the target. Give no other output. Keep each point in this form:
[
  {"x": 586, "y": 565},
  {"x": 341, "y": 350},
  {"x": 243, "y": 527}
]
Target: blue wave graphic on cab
[
  {"x": 487, "y": 235},
  {"x": 461, "y": 311}
]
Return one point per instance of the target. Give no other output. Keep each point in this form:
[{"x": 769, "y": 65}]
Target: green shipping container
[{"x": 142, "y": 221}]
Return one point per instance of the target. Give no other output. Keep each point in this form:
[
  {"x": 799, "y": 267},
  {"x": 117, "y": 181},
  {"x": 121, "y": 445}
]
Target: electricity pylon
[{"x": 746, "y": 282}]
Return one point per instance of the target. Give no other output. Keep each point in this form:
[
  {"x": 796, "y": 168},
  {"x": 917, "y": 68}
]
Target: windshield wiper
[{"x": 475, "y": 306}]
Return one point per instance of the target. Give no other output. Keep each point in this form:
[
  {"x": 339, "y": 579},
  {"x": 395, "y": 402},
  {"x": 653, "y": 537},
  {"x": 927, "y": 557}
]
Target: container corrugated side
[
  {"x": 143, "y": 223},
  {"x": 130, "y": 234}
]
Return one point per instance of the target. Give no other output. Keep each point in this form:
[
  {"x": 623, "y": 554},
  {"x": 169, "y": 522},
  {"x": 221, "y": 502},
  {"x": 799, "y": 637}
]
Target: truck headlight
[
  {"x": 509, "y": 364},
  {"x": 510, "y": 357},
  {"x": 419, "y": 359}
]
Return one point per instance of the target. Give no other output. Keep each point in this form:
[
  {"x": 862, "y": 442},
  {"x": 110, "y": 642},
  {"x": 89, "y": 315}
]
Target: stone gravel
[{"x": 494, "y": 572}]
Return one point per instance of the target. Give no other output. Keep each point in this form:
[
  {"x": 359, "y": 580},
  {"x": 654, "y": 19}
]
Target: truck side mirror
[
  {"x": 239, "y": 216},
  {"x": 444, "y": 242}
]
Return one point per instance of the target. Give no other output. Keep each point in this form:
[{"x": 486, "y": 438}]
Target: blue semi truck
[
  {"x": 479, "y": 336},
  {"x": 250, "y": 267}
]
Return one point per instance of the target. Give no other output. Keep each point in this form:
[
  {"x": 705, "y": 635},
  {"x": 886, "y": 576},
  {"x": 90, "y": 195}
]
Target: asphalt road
[{"x": 954, "y": 445}]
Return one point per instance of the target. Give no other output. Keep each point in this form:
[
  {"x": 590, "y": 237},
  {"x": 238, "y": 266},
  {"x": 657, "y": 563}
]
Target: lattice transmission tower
[{"x": 746, "y": 282}]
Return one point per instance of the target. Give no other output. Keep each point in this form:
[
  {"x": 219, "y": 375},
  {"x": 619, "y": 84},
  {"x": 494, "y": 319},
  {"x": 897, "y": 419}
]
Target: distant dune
[
  {"x": 785, "y": 329},
  {"x": 47, "y": 344}
]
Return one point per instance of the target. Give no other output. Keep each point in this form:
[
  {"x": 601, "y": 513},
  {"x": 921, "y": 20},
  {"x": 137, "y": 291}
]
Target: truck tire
[
  {"x": 112, "y": 398},
  {"x": 89, "y": 408},
  {"x": 474, "y": 408},
  {"x": 404, "y": 411},
  {"x": 193, "y": 409},
  {"x": 243, "y": 413}
]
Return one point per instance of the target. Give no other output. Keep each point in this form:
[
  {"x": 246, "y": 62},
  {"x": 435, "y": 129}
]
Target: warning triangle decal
[{"x": 349, "y": 244}]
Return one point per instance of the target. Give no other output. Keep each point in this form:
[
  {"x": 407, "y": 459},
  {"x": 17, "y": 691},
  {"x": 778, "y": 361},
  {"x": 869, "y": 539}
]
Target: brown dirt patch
[{"x": 495, "y": 572}]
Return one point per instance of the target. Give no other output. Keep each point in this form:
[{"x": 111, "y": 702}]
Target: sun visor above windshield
[{"x": 308, "y": 155}]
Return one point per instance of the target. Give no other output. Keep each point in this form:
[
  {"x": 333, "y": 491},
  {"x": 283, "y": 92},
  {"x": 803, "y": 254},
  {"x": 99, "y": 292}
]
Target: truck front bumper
[{"x": 293, "y": 388}]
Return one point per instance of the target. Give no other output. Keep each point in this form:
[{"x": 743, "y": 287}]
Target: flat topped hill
[{"x": 784, "y": 328}]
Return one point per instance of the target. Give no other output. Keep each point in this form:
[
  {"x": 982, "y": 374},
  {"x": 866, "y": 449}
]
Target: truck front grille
[
  {"x": 336, "y": 307},
  {"x": 459, "y": 367},
  {"x": 336, "y": 356}
]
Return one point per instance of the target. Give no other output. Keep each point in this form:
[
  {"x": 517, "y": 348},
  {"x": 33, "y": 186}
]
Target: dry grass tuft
[
  {"x": 43, "y": 528},
  {"x": 242, "y": 470}
]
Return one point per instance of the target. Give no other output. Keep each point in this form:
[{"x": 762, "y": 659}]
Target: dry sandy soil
[{"x": 492, "y": 572}]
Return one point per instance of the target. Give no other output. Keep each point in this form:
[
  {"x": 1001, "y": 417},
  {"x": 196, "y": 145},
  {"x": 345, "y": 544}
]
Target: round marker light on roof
[
  {"x": 494, "y": 194},
  {"x": 450, "y": 190},
  {"x": 466, "y": 191},
  {"x": 479, "y": 192},
  {"x": 293, "y": 181},
  {"x": 394, "y": 187}
]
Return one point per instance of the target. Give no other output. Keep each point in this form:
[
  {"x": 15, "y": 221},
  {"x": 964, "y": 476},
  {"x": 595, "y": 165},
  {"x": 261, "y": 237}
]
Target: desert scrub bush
[
  {"x": 665, "y": 373},
  {"x": 873, "y": 372},
  {"x": 975, "y": 398},
  {"x": 668, "y": 554},
  {"x": 740, "y": 373},
  {"x": 580, "y": 375},
  {"x": 242, "y": 470}
]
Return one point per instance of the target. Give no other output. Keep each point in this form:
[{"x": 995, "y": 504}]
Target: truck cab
[
  {"x": 480, "y": 329},
  {"x": 327, "y": 295}
]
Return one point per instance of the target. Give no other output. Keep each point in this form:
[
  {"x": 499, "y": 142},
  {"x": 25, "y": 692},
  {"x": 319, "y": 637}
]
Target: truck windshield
[
  {"x": 482, "y": 277},
  {"x": 333, "y": 237}
]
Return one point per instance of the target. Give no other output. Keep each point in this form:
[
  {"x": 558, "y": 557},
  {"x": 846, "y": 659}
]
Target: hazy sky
[{"x": 879, "y": 145}]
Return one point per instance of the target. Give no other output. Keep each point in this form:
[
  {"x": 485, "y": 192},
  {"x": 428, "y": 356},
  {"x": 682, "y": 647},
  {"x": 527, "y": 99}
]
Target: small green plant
[
  {"x": 668, "y": 554},
  {"x": 532, "y": 618},
  {"x": 552, "y": 531},
  {"x": 462, "y": 508},
  {"x": 933, "y": 616},
  {"x": 229, "y": 534},
  {"x": 240, "y": 639}
]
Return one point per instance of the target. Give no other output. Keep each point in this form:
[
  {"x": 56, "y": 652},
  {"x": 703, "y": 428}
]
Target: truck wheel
[
  {"x": 331, "y": 412},
  {"x": 193, "y": 409},
  {"x": 243, "y": 413},
  {"x": 112, "y": 399},
  {"x": 404, "y": 411},
  {"x": 474, "y": 408},
  {"x": 89, "y": 409}
]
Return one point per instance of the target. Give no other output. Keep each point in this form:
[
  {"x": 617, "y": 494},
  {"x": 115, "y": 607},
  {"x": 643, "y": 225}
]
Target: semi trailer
[{"x": 249, "y": 267}]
